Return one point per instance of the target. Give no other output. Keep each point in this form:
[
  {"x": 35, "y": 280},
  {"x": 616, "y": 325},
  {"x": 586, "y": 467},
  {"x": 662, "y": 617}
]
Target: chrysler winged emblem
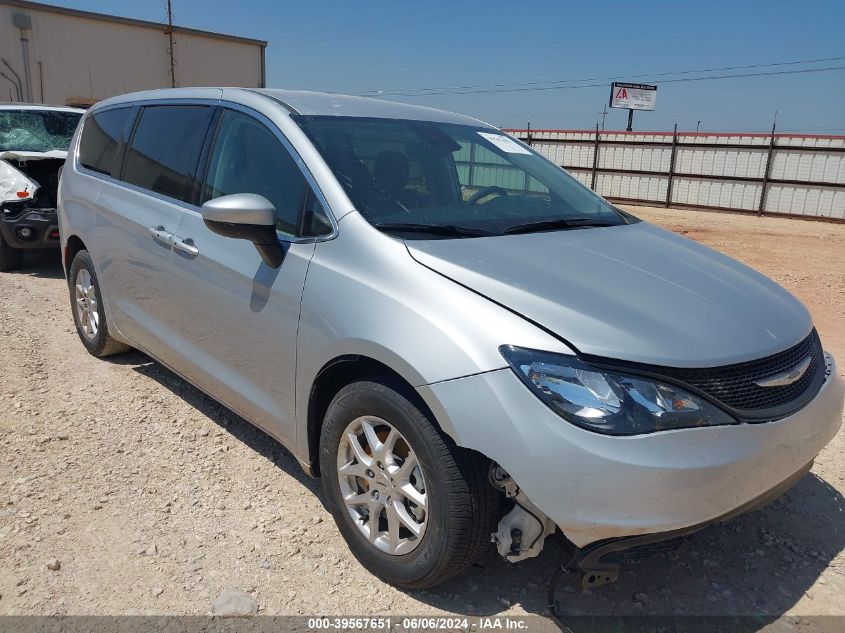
[{"x": 787, "y": 377}]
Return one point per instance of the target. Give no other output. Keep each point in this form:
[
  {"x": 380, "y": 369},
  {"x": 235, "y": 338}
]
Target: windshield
[
  {"x": 36, "y": 130},
  {"x": 427, "y": 180}
]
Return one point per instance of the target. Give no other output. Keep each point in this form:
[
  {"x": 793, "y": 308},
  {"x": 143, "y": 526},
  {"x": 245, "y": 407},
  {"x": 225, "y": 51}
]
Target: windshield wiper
[
  {"x": 559, "y": 223},
  {"x": 447, "y": 230}
]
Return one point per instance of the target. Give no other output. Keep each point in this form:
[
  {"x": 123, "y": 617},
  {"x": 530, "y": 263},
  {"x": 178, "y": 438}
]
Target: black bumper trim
[{"x": 41, "y": 227}]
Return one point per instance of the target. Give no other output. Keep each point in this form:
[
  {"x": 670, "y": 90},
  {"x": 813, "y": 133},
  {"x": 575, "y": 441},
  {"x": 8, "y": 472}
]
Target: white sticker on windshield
[{"x": 504, "y": 143}]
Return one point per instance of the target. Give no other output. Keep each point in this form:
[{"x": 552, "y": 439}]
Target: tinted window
[
  {"x": 165, "y": 149},
  {"x": 99, "y": 146},
  {"x": 248, "y": 158},
  {"x": 315, "y": 222},
  {"x": 383, "y": 163}
]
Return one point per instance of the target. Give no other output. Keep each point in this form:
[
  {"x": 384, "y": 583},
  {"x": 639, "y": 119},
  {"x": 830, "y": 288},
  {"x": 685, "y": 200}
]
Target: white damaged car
[{"x": 33, "y": 146}]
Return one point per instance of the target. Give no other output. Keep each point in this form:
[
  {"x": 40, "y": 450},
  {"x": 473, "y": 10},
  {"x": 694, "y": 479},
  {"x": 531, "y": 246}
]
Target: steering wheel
[{"x": 487, "y": 191}]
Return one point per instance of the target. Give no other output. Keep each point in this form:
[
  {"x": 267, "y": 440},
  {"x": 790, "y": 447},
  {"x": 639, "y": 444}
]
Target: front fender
[{"x": 366, "y": 296}]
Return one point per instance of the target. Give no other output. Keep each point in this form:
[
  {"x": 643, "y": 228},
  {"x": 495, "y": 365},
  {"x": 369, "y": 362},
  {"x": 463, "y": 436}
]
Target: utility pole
[
  {"x": 767, "y": 172},
  {"x": 603, "y": 114},
  {"x": 169, "y": 32}
]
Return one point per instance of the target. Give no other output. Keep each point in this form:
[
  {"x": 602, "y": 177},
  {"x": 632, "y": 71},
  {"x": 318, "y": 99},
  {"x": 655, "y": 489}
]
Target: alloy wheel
[
  {"x": 87, "y": 306},
  {"x": 382, "y": 485}
]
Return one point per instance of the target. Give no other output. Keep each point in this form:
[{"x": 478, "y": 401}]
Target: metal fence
[{"x": 784, "y": 174}]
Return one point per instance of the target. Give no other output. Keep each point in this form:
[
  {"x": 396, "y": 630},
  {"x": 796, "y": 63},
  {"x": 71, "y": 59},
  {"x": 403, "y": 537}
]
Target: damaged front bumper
[
  {"x": 598, "y": 488},
  {"x": 586, "y": 569}
]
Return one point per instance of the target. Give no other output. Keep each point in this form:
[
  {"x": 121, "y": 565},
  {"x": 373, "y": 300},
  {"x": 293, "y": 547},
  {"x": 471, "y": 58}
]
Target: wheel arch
[
  {"x": 73, "y": 245},
  {"x": 336, "y": 374}
]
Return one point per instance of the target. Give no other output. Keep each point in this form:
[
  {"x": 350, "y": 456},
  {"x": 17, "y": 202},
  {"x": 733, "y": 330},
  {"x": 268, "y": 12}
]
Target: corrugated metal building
[{"x": 78, "y": 58}]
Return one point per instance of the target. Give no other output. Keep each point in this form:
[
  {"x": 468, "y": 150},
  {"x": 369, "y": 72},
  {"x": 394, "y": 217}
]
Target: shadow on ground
[
  {"x": 45, "y": 264},
  {"x": 242, "y": 430},
  {"x": 758, "y": 565}
]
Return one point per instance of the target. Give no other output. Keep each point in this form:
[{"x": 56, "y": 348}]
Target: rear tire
[
  {"x": 88, "y": 313},
  {"x": 10, "y": 258},
  {"x": 458, "y": 511}
]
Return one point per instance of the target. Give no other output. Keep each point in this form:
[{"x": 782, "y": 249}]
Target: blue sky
[{"x": 362, "y": 45}]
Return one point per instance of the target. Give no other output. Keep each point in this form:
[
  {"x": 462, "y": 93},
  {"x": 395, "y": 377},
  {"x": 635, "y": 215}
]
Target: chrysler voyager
[{"x": 465, "y": 343}]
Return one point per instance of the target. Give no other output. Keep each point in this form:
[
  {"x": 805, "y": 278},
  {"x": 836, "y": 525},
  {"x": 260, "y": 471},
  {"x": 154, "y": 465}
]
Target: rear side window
[
  {"x": 99, "y": 147},
  {"x": 248, "y": 158},
  {"x": 165, "y": 149}
]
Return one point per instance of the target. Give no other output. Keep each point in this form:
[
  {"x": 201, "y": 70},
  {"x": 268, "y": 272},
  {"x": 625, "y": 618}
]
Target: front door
[{"x": 240, "y": 316}]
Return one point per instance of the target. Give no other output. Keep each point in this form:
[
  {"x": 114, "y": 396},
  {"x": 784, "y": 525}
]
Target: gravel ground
[{"x": 124, "y": 490}]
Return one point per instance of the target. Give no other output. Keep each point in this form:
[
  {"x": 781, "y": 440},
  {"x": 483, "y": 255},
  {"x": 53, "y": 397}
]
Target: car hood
[
  {"x": 632, "y": 292},
  {"x": 15, "y": 184},
  {"x": 25, "y": 155}
]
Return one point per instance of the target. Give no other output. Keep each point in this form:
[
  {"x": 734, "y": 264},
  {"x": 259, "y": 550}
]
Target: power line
[
  {"x": 511, "y": 86},
  {"x": 664, "y": 74},
  {"x": 604, "y": 85}
]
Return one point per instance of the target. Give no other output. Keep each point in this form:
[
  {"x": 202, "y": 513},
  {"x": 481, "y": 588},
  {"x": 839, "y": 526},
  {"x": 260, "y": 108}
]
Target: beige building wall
[{"x": 80, "y": 58}]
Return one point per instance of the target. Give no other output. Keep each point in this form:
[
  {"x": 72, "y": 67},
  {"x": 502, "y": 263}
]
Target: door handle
[
  {"x": 161, "y": 236},
  {"x": 185, "y": 246}
]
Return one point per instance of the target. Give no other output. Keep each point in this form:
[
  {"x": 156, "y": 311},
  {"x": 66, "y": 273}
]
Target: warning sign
[{"x": 633, "y": 96}]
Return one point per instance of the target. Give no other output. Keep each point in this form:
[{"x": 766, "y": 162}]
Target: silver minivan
[{"x": 465, "y": 343}]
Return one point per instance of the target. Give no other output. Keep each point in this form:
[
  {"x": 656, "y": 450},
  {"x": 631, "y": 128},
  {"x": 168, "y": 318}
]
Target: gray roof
[
  {"x": 330, "y": 104},
  {"x": 310, "y": 103}
]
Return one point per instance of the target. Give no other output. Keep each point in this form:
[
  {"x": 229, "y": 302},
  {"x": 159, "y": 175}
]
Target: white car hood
[
  {"x": 14, "y": 183},
  {"x": 25, "y": 156}
]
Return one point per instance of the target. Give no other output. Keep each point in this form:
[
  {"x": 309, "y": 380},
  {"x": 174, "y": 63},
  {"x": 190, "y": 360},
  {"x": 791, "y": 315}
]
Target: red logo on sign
[{"x": 622, "y": 94}]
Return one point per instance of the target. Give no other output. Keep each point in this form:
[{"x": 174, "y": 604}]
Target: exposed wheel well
[
  {"x": 74, "y": 245},
  {"x": 334, "y": 377}
]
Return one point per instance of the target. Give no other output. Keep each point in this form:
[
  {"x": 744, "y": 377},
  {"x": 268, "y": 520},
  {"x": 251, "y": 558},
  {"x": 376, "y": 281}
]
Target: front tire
[
  {"x": 382, "y": 456},
  {"x": 10, "y": 258},
  {"x": 87, "y": 307}
]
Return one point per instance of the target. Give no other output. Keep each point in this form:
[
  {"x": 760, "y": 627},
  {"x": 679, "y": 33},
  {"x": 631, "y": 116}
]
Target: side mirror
[{"x": 246, "y": 216}]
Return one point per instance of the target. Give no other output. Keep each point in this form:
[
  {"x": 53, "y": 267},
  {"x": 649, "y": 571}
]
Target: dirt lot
[{"x": 154, "y": 499}]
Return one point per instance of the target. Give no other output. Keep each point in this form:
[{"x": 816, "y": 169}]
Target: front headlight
[{"x": 609, "y": 402}]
